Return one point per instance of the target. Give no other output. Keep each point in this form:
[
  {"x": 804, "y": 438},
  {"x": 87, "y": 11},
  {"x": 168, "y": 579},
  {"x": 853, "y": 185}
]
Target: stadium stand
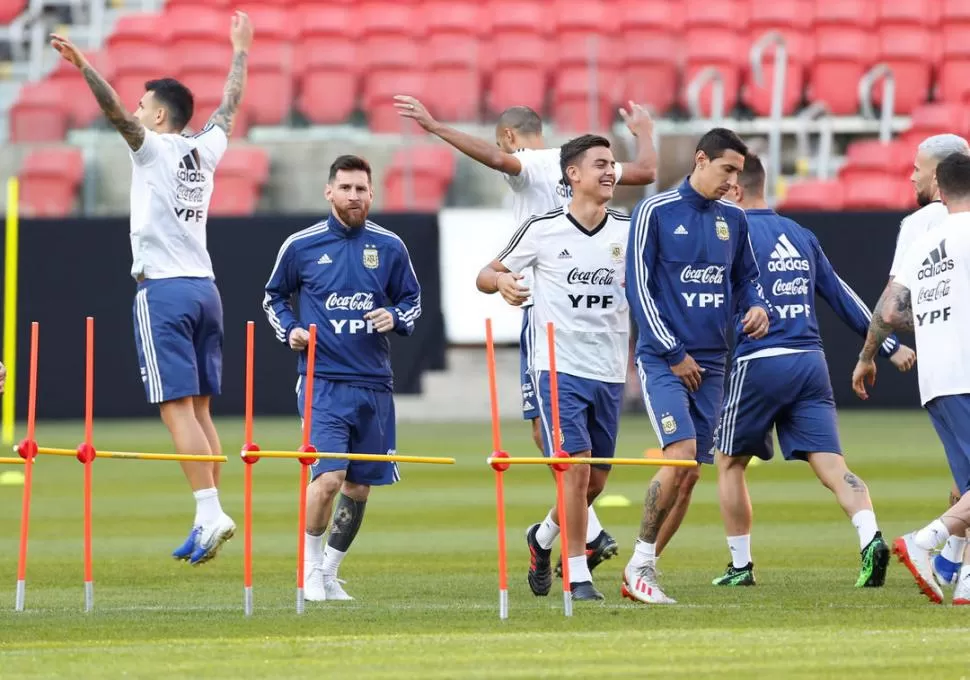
[{"x": 49, "y": 181}]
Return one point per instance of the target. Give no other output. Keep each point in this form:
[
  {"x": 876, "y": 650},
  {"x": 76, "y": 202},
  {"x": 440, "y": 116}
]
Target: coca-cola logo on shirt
[
  {"x": 712, "y": 275},
  {"x": 355, "y": 302},
  {"x": 797, "y": 286},
  {"x": 592, "y": 277}
]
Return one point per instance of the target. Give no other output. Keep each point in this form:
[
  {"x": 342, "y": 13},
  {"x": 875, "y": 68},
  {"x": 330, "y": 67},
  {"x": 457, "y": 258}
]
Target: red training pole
[
  {"x": 503, "y": 586},
  {"x": 567, "y": 594},
  {"x": 88, "y": 462},
  {"x": 305, "y": 463},
  {"x": 248, "y": 475},
  {"x": 27, "y": 449}
]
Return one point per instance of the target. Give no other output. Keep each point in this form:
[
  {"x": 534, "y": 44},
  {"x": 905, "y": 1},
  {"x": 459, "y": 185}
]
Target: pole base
[
  {"x": 248, "y": 600},
  {"x": 21, "y": 595},
  {"x": 88, "y": 597},
  {"x": 567, "y": 603},
  {"x": 299, "y": 601},
  {"x": 503, "y": 604}
]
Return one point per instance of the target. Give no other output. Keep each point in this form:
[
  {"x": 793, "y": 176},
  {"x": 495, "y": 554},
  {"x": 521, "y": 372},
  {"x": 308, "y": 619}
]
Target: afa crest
[
  {"x": 616, "y": 252},
  {"x": 371, "y": 258},
  {"x": 668, "y": 424},
  {"x": 721, "y": 228}
]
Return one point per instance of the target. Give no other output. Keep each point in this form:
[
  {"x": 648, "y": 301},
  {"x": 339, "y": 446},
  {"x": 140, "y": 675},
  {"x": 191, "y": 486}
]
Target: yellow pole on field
[{"x": 11, "y": 251}]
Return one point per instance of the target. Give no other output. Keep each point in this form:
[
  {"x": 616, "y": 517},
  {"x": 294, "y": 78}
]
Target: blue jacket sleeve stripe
[
  {"x": 271, "y": 315},
  {"x": 649, "y": 307},
  {"x": 888, "y": 344}
]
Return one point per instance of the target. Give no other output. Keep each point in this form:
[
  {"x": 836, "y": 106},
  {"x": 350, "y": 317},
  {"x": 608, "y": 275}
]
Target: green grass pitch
[{"x": 423, "y": 571}]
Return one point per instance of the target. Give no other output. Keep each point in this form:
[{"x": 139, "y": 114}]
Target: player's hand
[
  {"x": 299, "y": 339},
  {"x": 508, "y": 285},
  {"x": 689, "y": 373},
  {"x": 68, "y": 50},
  {"x": 637, "y": 119},
  {"x": 903, "y": 358},
  {"x": 410, "y": 107},
  {"x": 241, "y": 32},
  {"x": 755, "y": 323},
  {"x": 865, "y": 372},
  {"x": 3, "y": 376},
  {"x": 382, "y": 319}
]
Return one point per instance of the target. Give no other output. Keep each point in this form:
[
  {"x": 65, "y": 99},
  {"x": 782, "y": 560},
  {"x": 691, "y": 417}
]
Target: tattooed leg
[{"x": 849, "y": 489}]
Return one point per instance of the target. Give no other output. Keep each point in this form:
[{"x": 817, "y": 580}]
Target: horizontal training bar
[
  {"x": 653, "y": 462},
  {"x": 126, "y": 455},
  {"x": 376, "y": 457},
  {"x": 11, "y": 461}
]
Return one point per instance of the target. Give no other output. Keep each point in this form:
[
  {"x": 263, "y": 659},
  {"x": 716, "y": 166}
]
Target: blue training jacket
[
  {"x": 793, "y": 269},
  {"x": 339, "y": 274},
  {"x": 689, "y": 265}
]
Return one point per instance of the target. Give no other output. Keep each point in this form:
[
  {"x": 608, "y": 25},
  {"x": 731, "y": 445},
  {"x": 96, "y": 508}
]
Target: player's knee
[
  {"x": 577, "y": 477},
  {"x": 688, "y": 479},
  {"x": 176, "y": 411},
  {"x": 685, "y": 449},
  {"x": 329, "y": 483},
  {"x": 356, "y": 492},
  {"x": 597, "y": 482}
]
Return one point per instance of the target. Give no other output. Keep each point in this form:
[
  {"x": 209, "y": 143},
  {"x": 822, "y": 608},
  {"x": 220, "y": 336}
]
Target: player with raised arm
[
  {"x": 689, "y": 265},
  {"x": 930, "y": 295},
  {"x": 532, "y": 170},
  {"x": 794, "y": 269},
  {"x": 576, "y": 254},
  {"x": 177, "y": 309},
  {"x": 930, "y": 215},
  {"x": 354, "y": 280}
]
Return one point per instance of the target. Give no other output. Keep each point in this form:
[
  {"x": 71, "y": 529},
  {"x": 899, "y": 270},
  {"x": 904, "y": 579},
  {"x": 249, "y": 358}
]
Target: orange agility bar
[
  {"x": 503, "y": 586},
  {"x": 567, "y": 593},
  {"x": 27, "y": 450},
  {"x": 304, "y": 463}
]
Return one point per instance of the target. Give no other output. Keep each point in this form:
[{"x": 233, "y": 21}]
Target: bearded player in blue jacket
[
  {"x": 782, "y": 381},
  {"x": 355, "y": 281}
]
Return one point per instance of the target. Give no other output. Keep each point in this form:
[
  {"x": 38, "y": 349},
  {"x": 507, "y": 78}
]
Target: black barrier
[{"x": 74, "y": 268}]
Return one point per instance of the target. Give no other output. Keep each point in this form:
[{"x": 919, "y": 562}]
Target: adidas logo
[
  {"x": 785, "y": 258},
  {"x": 527, "y": 405},
  {"x": 564, "y": 255},
  {"x": 936, "y": 263},
  {"x": 324, "y": 259},
  {"x": 680, "y": 230}
]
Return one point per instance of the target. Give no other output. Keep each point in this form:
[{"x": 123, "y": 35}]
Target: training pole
[
  {"x": 249, "y": 461},
  {"x": 11, "y": 262},
  {"x": 27, "y": 450},
  {"x": 88, "y": 448},
  {"x": 305, "y": 463},
  {"x": 503, "y": 586},
  {"x": 567, "y": 593}
]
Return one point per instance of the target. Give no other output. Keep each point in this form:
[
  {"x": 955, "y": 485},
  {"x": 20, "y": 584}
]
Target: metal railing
[
  {"x": 776, "y": 40},
  {"x": 710, "y": 74},
  {"x": 879, "y": 72},
  {"x": 823, "y": 160}
]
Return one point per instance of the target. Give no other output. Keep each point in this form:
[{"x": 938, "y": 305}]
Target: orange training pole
[
  {"x": 27, "y": 450},
  {"x": 88, "y": 462},
  {"x": 305, "y": 463},
  {"x": 503, "y": 586},
  {"x": 248, "y": 478},
  {"x": 567, "y": 594}
]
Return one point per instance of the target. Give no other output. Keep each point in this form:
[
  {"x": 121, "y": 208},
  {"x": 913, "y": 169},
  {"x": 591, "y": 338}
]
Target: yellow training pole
[
  {"x": 126, "y": 455},
  {"x": 11, "y": 461},
  {"x": 10, "y": 309},
  {"x": 375, "y": 457},
  {"x": 650, "y": 462}
]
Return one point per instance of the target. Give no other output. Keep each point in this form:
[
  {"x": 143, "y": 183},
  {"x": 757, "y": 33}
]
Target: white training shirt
[
  {"x": 538, "y": 188},
  {"x": 936, "y": 270},
  {"x": 579, "y": 287},
  {"x": 913, "y": 226},
  {"x": 171, "y": 186}
]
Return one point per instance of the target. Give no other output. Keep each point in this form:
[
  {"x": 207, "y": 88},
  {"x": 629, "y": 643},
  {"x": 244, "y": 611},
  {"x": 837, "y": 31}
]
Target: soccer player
[
  {"x": 532, "y": 170},
  {"x": 689, "y": 265},
  {"x": 354, "y": 280},
  {"x": 576, "y": 254},
  {"x": 930, "y": 215},
  {"x": 801, "y": 405},
  {"x": 930, "y": 294},
  {"x": 177, "y": 309}
]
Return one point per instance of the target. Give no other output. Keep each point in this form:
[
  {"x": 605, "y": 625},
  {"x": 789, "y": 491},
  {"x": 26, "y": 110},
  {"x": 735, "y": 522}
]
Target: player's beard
[
  {"x": 923, "y": 198},
  {"x": 352, "y": 218}
]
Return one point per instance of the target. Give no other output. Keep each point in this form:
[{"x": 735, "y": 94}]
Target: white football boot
[
  {"x": 211, "y": 538},
  {"x": 314, "y": 589},
  {"x": 920, "y": 565},
  {"x": 640, "y": 584}
]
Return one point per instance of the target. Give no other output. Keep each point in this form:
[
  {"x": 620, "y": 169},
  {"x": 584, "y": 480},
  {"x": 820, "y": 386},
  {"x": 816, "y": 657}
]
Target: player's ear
[
  {"x": 700, "y": 160},
  {"x": 328, "y": 192},
  {"x": 572, "y": 173}
]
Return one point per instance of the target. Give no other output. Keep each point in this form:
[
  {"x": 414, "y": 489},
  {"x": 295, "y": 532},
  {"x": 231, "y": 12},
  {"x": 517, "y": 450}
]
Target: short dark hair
[
  {"x": 349, "y": 162},
  {"x": 953, "y": 176},
  {"x": 574, "y": 149},
  {"x": 752, "y": 178},
  {"x": 521, "y": 119},
  {"x": 176, "y": 98},
  {"x": 715, "y": 142}
]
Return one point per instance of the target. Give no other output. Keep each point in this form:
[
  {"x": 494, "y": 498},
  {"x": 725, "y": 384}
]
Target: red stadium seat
[
  {"x": 954, "y": 12},
  {"x": 49, "y": 180},
  {"x": 242, "y": 172},
  {"x": 840, "y": 62},
  {"x": 523, "y": 16},
  {"x": 207, "y": 91},
  {"x": 464, "y": 17},
  {"x": 221, "y": 4},
  {"x": 378, "y": 99},
  {"x": 38, "y": 115},
  {"x": 934, "y": 119},
  {"x": 140, "y": 29},
  {"x": 272, "y": 24},
  {"x": 388, "y": 27},
  {"x": 759, "y": 97},
  {"x": 455, "y": 69},
  {"x": 812, "y": 195},
  {"x": 270, "y": 83},
  {"x": 649, "y": 17},
  {"x": 909, "y": 13},
  {"x": 521, "y": 72},
  {"x": 726, "y": 14},
  {"x": 908, "y": 52},
  {"x": 845, "y": 13},
  {"x": 872, "y": 159},
  {"x": 192, "y": 27},
  {"x": 650, "y": 71},
  {"x": 887, "y": 193},
  {"x": 76, "y": 98},
  {"x": 206, "y": 58},
  {"x": 576, "y": 108},
  {"x": 953, "y": 81},
  {"x": 418, "y": 178},
  {"x": 720, "y": 49},
  {"x": 10, "y": 10},
  {"x": 329, "y": 88}
]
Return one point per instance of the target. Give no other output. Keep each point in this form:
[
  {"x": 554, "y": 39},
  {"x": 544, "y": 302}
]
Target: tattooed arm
[
  {"x": 893, "y": 311},
  {"x": 241, "y": 35}
]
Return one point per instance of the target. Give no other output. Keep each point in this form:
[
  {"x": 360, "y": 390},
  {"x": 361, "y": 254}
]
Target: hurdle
[
  {"x": 306, "y": 455},
  {"x": 559, "y": 462},
  {"x": 85, "y": 453}
]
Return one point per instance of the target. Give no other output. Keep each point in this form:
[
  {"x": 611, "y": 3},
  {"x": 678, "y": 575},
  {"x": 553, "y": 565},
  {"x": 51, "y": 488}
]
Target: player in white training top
[
  {"x": 177, "y": 309},
  {"x": 930, "y": 294},
  {"x": 577, "y": 256},
  {"x": 931, "y": 214},
  {"x": 531, "y": 169}
]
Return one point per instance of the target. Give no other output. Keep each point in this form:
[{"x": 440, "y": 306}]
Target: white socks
[
  {"x": 932, "y": 535},
  {"x": 593, "y": 526},
  {"x": 312, "y": 548},
  {"x": 740, "y": 547},
  {"x": 864, "y": 522},
  {"x": 579, "y": 570},
  {"x": 953, "y": 550},
  {"x": 643, "y": 553},
  {"x": 207, "y": 507},
  {"x": 331, "y": 561},
  {"x": 547, "y": 532}
]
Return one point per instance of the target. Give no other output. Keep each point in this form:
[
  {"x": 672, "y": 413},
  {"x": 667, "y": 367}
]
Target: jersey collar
[
  {"x": 691, "y": 196},
  {"x": 337, "y": 227},
  {"x": 593, "y": 232},
  {"x": 760, "y": 211}
]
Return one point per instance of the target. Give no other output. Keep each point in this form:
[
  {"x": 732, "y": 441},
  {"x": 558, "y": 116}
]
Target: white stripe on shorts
[
  {"x": 152, "y": 373},
  {"x": 546, "y": 424},
  {"x": 646, "y": 402},
  {"x": 729, "y": 418}
]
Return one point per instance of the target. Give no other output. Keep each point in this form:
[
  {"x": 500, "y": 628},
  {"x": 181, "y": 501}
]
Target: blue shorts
[
  {"x": 951, "y": 418},
  {"x": 178, "y": 334},
  {"x": 790, "y": 392},
  {"x": 589, "y": 415},
  {"x": 351, "y": 419},
  {"x": 530, "y": 406},
  {"x": 675, "y": 412}
]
